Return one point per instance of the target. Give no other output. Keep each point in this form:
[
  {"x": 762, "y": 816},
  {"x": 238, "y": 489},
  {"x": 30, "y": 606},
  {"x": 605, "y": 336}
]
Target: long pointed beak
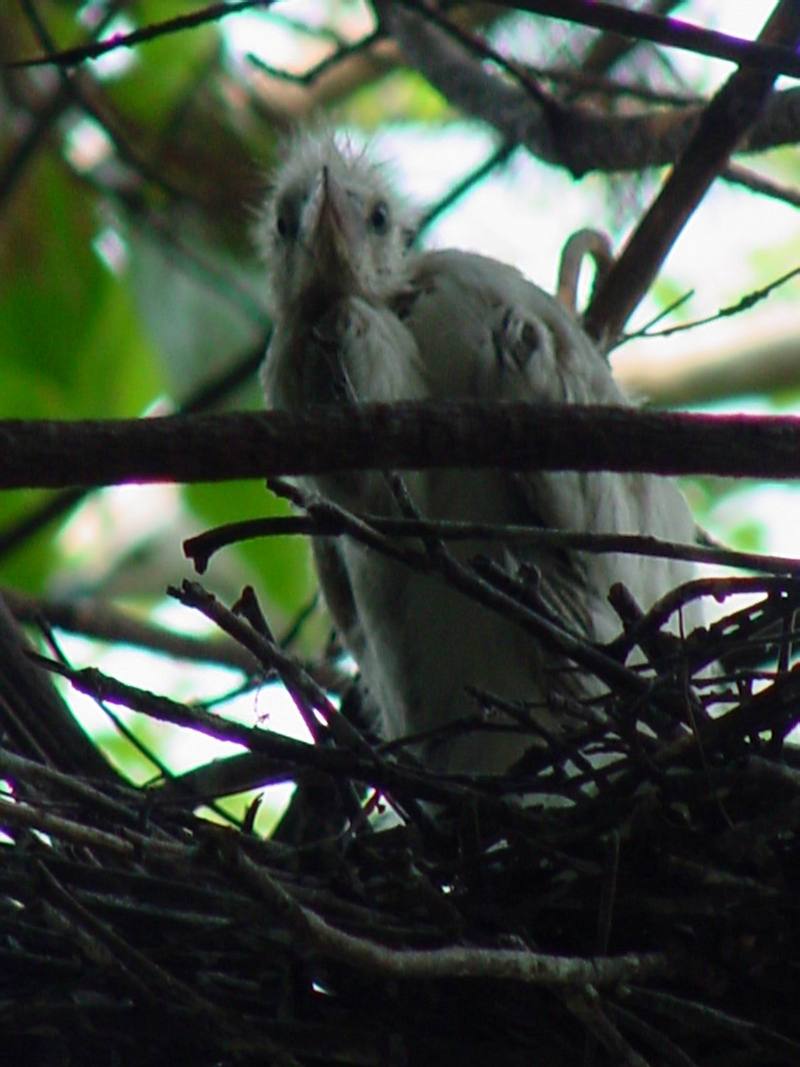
[{"x": 334, "y": 229}]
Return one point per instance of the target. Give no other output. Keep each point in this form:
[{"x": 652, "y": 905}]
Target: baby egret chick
[{"x": 359, "y": 317}]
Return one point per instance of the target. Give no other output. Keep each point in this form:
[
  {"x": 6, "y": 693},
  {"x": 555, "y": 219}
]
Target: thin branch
[
  {"x": 757, "y": 183},
  {"x": 23, "y": 149},
  {"x": 748, "y": 301},
  {"x": 606, "y": 51},
  {"x": 139, "y": 973},
  {"x": 580, "y": 139},
  {"x": 84, "y": 93},
  {"x": 672, "y": 32},
  {"x": 202, "y": 547},
  {"x": 99, "y": 620},
  {"x": 553, "y": 635},
  {"x": 308, "y": 695},
  {"x": 308, "y": 77},
  {"x": 483, "y": 51},
  {"x": 682, "y": 1010},
  {"x": 586, "y": 1006},
  {"x": 287, "y": 755},
  {"x": 72, "y": 57}
]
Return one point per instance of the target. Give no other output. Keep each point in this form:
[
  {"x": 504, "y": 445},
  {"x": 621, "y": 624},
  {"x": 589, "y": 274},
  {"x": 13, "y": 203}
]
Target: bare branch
[
  {"x": 730, "y": 114},
  {"x": 410, "y": 435},
  {"x": 519, "y": 965},
  {"x": 98, "y": 619},
  {"x": 675, "y": 33},
  {"x": 72, "y": 57},
  {"x": 570, "y": 136},
  {"x": 200, "y": 548}
]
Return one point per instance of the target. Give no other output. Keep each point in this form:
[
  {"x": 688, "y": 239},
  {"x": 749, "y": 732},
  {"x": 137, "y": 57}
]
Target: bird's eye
[
  {"x": 286, "y": 225},
  {"x": 379, "y": 219}
]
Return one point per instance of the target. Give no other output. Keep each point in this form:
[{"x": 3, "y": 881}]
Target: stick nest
[{"x": 639, "y": 908}]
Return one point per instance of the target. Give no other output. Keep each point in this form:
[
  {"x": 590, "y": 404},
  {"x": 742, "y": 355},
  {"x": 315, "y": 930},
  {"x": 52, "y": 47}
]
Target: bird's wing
[{"x": 484, "y": 331}]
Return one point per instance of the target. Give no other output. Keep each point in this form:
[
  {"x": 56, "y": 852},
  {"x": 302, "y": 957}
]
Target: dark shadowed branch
[{"x": 411, "y": 435}]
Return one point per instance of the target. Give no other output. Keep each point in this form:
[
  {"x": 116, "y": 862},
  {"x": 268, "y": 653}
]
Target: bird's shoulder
[
  {"x": 448, "y": 274},
  {"x": 484, "y": 329}
]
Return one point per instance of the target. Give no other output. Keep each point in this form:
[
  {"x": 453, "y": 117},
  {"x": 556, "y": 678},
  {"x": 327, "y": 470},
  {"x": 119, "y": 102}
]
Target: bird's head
[{"x": 331, "y": 227}]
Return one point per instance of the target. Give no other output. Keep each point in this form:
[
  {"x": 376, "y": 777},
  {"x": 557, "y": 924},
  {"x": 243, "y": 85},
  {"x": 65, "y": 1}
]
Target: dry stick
[
  {"x": 65, "y": 912},
  {"x": 309, "y": 695},
  {"x": 98, "y": 619},
  {"x": 586, "y": 1006},
  {"x": 472, "y": 584},
  {"x": 767, "y": 54},
  {"x": 130, "y": 846},
  {"x": 734, "y": 109},
  {"x": 719, "y": 588},
  {"x": 286, "y": 753},
  {"x": 469, "y": 582},
  {"x": 606, "y": 51},
  {"x": 203, "y": 546},
  {"x": 35, "y": 718},
  {"x": 71, "y": 57},
  {"x": 452, "y": 962},
  {"x": 147, "y": 979},
  {"x": 663, "y": 1046},
  {"x": 699, "y": 1017},
  {"x": 759, "y": 183},
  {"x": 18, "y": 768}
]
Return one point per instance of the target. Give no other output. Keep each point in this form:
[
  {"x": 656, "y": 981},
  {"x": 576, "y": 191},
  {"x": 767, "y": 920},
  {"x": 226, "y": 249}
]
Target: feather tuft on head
[{"x": 331, "y": 225}]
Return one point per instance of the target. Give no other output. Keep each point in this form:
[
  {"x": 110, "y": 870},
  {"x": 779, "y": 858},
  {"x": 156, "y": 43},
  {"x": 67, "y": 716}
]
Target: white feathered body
[{"x": 456, "y": 325}]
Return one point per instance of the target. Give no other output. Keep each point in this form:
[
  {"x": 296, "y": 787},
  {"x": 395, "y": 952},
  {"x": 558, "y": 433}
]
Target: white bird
[{"x": 359, "y": 316}]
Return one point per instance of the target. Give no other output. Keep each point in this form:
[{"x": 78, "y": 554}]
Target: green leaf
[{"x": 71, "y": 342}]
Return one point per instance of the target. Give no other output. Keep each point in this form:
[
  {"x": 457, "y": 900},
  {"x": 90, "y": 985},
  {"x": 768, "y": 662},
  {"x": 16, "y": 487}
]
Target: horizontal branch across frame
[{"x": 402, "y": 436}]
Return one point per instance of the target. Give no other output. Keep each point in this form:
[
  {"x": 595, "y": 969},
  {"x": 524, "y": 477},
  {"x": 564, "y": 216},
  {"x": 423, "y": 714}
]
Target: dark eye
[
  {"x": 379, "y": 219},
  {"x": 286, "y": 225}
]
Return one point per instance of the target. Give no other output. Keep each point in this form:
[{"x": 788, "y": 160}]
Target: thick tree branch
[
  {"x": 412, "y": 435},
  {"x": 581, "y": 140}
]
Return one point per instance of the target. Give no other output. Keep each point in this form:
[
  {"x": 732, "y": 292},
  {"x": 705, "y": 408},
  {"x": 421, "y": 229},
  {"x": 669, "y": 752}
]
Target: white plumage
[{"x": 359, "y": 316}]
